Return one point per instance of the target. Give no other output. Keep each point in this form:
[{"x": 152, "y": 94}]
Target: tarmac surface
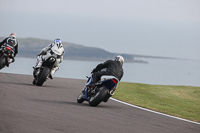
[{"x": 52, "y": 108}]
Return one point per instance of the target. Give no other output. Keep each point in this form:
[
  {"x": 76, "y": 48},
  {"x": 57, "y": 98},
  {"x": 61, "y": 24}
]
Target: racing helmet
[
  {"x": 13, "y": 36},
  {"x": 120, "y": 59},
  {"x": 58, "y": 42}
]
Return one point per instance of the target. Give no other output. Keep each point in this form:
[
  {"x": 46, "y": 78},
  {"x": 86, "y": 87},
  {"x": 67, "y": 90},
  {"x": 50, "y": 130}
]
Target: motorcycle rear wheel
[
  {"x": 2, "y": 62},
  {"x": 43, "y": 76},
  {"x": 98, "y": 97}
]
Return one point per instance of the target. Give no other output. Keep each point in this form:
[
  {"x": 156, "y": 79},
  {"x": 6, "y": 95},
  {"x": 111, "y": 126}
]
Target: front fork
[
  {"x": 85, "y": 91},
  {"x": 85, "y": 94}
]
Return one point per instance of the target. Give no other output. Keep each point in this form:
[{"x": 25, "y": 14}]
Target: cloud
[
  {"x": 180, "y": 10},
  {"x": 150, "y": 27}
]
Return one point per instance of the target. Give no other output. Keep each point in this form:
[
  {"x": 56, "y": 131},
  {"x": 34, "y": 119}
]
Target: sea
[{"x": 156, "y": 72}]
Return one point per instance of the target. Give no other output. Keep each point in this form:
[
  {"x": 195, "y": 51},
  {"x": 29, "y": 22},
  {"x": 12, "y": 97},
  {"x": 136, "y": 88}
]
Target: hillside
[{"x": 30, "y": 47}]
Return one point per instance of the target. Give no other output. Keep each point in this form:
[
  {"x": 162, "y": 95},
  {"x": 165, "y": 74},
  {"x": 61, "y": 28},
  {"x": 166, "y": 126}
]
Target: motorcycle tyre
[
  {"x": 107, "y": 97},
  {"x": 98, "y": 97},
  {"x": 80, "y": 98},
  {"x": 43, "y": 76},
  {"x": 2, "y": 62}
]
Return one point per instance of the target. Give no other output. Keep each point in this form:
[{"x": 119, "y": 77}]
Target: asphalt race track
[{"x": 52, "y": 108}]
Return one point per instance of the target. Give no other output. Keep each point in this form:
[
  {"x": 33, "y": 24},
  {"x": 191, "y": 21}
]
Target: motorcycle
[
  {"x": 6, "y": 54},
  {"x": 42, "y": 74},
  {"x": 100, "y": 92}
]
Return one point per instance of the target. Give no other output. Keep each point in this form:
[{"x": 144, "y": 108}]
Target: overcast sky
[{"x": 168, "y": 28}]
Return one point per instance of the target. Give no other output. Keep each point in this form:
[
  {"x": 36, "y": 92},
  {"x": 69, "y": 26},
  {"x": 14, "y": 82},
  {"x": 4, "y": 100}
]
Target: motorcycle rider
[
  {"x": 10, "y": 41},
  {"x": 110, "y": 67},
  {"x": 48, "y": 50}
]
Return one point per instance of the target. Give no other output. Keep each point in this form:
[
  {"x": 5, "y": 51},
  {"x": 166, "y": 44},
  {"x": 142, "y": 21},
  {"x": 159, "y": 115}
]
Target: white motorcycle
[{"x": 49, "y": 60}]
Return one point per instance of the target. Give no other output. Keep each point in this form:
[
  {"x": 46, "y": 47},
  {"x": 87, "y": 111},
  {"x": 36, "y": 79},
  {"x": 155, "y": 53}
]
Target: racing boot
[
  {"x": 52, "y": 72},
  {"x": 50, "y": 76},
  {"x": 7, "y": 64},
  {"x": 10, "y": 60}
]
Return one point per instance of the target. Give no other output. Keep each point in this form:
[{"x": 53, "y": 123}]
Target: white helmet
[
  {"x": 58, "y": 42},
  {"x": 120, "y": 59},
  {"x": 13, "y": 36}
]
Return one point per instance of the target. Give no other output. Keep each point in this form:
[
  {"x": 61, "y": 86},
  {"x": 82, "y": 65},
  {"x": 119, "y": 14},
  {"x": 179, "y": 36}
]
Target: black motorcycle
[
  {"x": 42, "y": 74},
  {"x": 5, "y": 55},
  {"x": 100, "y": 92}
]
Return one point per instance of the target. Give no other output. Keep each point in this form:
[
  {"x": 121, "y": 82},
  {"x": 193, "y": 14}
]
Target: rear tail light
[
  {"x": 115, "y": 81},
  {"x": 8, "y": 48}
]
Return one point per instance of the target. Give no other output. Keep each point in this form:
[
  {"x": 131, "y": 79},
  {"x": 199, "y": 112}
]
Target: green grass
[{"x": 180, "y": 101}]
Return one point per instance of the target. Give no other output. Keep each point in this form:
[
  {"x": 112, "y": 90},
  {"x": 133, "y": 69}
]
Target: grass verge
[{"x": 180, "y": 101}]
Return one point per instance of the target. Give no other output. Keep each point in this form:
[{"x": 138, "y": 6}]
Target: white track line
[{"x": 153, "y": 111}]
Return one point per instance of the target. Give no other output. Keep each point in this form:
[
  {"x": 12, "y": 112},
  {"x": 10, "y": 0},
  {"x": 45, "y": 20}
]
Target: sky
[{"x": 168, "y": 28}]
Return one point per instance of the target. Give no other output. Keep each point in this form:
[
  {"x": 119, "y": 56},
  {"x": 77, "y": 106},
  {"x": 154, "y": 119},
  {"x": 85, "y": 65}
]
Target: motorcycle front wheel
[
  {"x": 80, "y": 98},
  {"x": 43, "y": 76}
]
